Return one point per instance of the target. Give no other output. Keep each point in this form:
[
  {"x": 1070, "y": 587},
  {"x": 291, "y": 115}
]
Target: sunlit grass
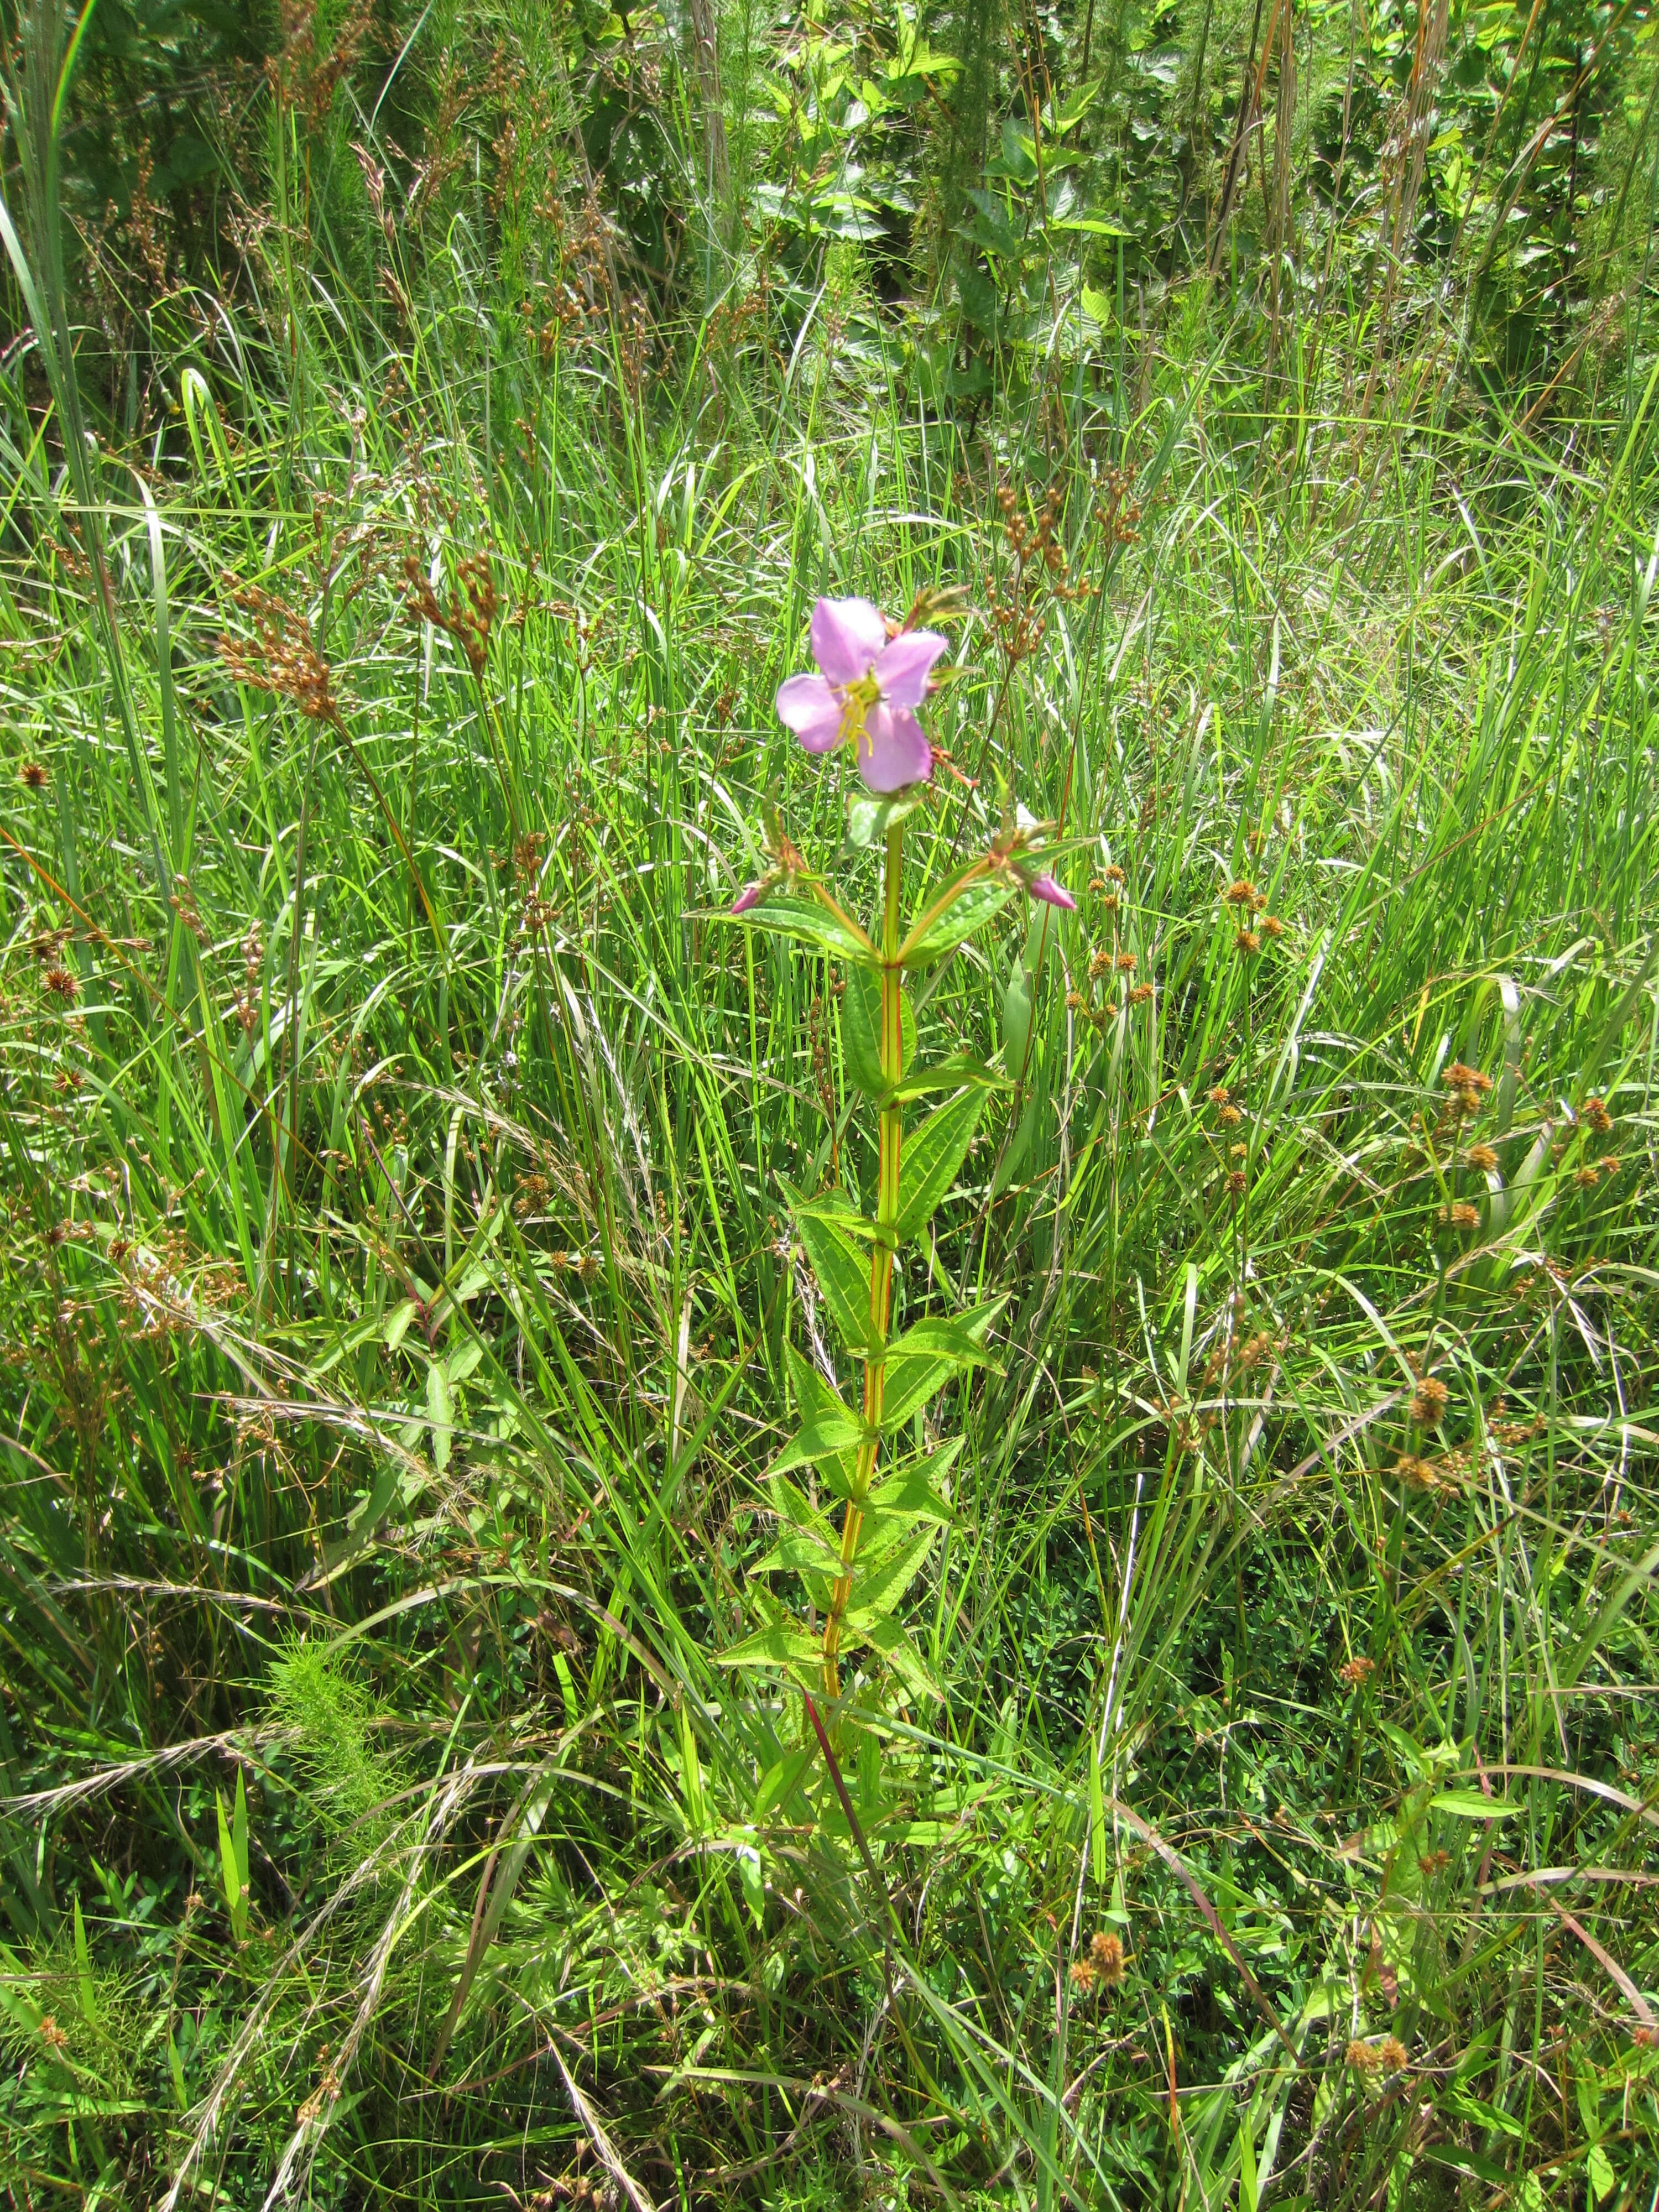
[{"x": 397, "y": 1284}]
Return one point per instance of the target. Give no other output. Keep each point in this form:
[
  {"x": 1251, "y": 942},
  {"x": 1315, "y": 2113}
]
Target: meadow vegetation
[{"x": 424, "y": 436}]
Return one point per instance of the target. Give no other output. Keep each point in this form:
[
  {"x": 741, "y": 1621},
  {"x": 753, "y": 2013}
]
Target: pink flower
[
  {"x": 1044, "y": 887},
  {"x": 751, "y": 895},
  {"x": 864, "y": 693}
]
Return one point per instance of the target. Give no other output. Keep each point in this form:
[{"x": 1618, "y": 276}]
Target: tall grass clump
[{"x": 983, "y": 1532}]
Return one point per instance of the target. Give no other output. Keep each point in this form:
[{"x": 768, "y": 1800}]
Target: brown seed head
[
  {"x": 1391, "y": 2054},
  {"x": 52, "y": 2035},
  {"x": 1356, "y": 1671},
  {"x": 1462, "y": 1215},
  {"x": 1364, "y": 2058},
  {"x": 1083, "y": 1976},
  {"x": 1428, "y": 1403},
  {"x": 1586, "y": 1178},
  {"x": 1240, "y": 894},
  {"x": 1483, "y": 1157},
  {"x": 1220, "y": 1095},
  {"x": 1115, "y": 875},
  {"x": 34, "y": 774},
  {"x": 1417, "y": 1473},
  {"x": 1247, "y": 942},
  {"x": 1229, "y": 1116},
  {"x": 1460, "y": 1077},
  {"x": 1272, "y": 925},
  {"x": 1125, "y": 964},
  {"x": 1596, "y": 1114},
  {"x": 1106, "y": 1954},
  {"x": 62, "y": 985},
  {"x": 1141, "y": 993}
]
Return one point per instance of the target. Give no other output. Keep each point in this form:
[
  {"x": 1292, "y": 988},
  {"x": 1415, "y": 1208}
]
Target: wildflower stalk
[
  {"x": 869, "y": 677},
  {"x": 891, "y": 1138}
]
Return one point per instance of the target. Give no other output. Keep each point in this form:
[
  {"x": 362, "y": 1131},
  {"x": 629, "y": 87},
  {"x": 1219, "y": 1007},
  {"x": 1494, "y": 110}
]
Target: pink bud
[
  {"x": 1053, "y": 893},
  {"x": 750, "y": 896}
]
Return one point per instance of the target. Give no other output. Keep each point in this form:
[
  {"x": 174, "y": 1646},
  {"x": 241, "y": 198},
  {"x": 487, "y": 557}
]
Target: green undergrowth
[{"x": 397, "y": 1285}]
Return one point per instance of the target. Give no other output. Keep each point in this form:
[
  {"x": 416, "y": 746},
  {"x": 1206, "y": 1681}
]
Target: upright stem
[{"x": 881, "y": 1254}]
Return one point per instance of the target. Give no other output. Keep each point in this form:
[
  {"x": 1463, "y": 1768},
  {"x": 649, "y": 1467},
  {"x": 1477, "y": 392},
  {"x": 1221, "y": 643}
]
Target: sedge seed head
[
  {"x": 1483, "y": 1157},
  {"x": 1240, "y": 894},
  {"x": 1106, "y": 1956},
  {"x": 1461, "y": 1077},
  {"x": 1428, "y": 1403},
  {"x": 34, "y": 774},
  {"x": 1596, "y": 1114},
  {"x": 1417, "y": 1473},
  {"x": 1356, "y": 1671},
  {"x": 1247, "y": 942}
]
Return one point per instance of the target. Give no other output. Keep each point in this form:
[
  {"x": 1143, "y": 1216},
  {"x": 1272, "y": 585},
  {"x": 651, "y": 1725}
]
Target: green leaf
[
  {"x": 239, "y": 1831},
  {"x": 441, "y": 1413},
  {"x": 925, "y": 1359},
  {"x": 1470, "y": 1805},
  {"x": 1097, "y": 226},
  {"x": 1598, "y": 2167},
  {"x": 907, "y": 1493},
  {"x": 1016, "y": 1017},
  {"x": 798, "y": 1552},
  {"x": 83, "y": 1960},
  {"x": 882, "y": 1577},
  {"x": 842, "y": 1273},
  {"x": 979, "y": 904},
  {"x": 1097, "y": 1816},
  {"x": 782, "y": 1643},
  {"x": 806, "y": 1543},
  {"x": 229, "y": 1872},
  {"x": 928, "y": 1163},
  {"x": 869, "y": 817},
  {"x": 886, "y": 1636},
  {"x": 860, "y": 1030},
  {"x": 788, "y": 914},
  {"x": 949, "y": 1075},
  {"x": 819, "y": 1404},
  {"x": 778, "y": 1782},
  {"x": 821, "y": 1443}
]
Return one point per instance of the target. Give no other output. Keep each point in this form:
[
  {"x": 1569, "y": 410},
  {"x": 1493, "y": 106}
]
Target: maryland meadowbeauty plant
[{"x": 886, "y": 1506}]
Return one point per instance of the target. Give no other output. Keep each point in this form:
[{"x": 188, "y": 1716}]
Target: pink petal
[
  {"x": 807, "y": 706},
  {"x": 1053, "y": 893},
  {"x": 902, "y": 671},
  {"x": 892, "y": 751},
  {"x": 848, "y": 638},
  {"x": 750, "y": 896}
]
